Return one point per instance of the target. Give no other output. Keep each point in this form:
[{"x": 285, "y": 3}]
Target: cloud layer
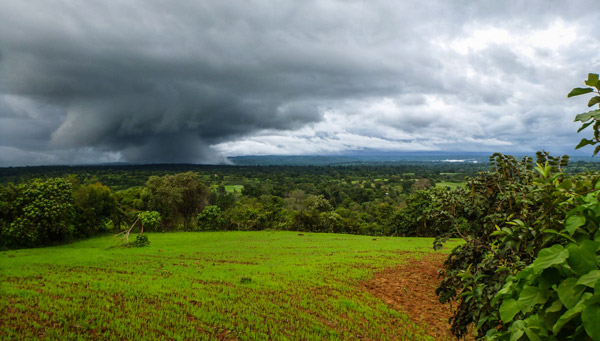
[{"x": 155, "y": 81}]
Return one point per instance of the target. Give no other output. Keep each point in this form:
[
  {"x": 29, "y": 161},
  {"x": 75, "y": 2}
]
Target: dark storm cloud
[{"x": 154, "y": 81}]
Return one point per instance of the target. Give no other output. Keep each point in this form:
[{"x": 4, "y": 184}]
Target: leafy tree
[
  {"x": 210, "y": 219},
  {"x": 178, "y": 198},
  {"x": 41, "y": 212},
  {"x": 150, "y": 220},
  {"x": 96, "y": 206}
]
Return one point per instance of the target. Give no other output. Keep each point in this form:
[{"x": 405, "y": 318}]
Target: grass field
[
  {"x": 234, "y": 188},
  {"x": 237, "y": 285},
  {"x": 451, "y": 185}
]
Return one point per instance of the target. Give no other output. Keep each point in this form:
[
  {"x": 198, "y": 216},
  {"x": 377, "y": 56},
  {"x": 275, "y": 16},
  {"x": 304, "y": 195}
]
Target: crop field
[
  {"x": 234, "y": 188},
  {"x": 451, "y": 185},
  {"x": 212, "y": 285}
]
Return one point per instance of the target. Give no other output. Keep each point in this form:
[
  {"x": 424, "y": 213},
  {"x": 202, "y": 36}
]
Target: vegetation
[
  {"x": 247, "y": 285},
  {"x": 530, "y": 267}
]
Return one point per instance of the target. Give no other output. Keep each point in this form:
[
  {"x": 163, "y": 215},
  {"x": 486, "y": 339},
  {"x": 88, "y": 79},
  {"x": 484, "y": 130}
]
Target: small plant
[
  {"x": 246, "y": 280},
  {"x": 141, "y": 240}
]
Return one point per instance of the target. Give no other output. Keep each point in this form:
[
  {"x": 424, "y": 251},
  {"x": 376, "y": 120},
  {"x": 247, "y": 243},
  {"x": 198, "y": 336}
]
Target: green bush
[{"x": 141, "y": 240}]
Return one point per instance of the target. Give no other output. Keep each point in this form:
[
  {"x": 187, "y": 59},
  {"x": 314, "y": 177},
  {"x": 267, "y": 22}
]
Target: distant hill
[{"x": 373, "y": 159}]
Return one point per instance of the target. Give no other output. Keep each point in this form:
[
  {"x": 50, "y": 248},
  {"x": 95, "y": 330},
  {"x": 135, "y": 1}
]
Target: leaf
[
  {"x": 529, "y": 297},
  {"x": 596, "y": 151},
  {"x": 582, "y": 257},
  {"x": 508, "y": 309},
  {"x": 570, "y": 314},
  {"x": 589, "y": 279},
  {"x": 579, "y": 91},
  {"x": 516, "y": 330},
  {"x": 573, "y": 222},
  {"x": 584, "y": 142},
  {"x": 549, "y": 277},
  {"x": 583, "y": 117},
  {"x": 592, "y": 79},
  {"x": 547, "y": 257},
  {"x": 569, "y": 292},
  {"x": 593, "y": 101},
  {"x": 554, "y": 307},
  {"x": 590, "y": 316},
  {"x": 585, "y": 125}
]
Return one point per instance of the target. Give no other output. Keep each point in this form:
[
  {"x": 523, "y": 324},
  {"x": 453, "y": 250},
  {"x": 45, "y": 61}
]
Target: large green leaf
[
  {"x": 529, "y": 297},
  {"x": 583, "y": 117},
  {"x": 589, "y": 279},
  {"x": 579, "y": 91},
  {"x": 584, "y": 142},
  {"x": 582, "y": 257},
  {"x": 569, "y": 292},
  {"x": 592, "y": 79},
  {"x": 585, "y": 125},
  {"x": 573, "y": 222},
  {"x": 593, "y": 101},
  {"x": 554, "y": 307},
  {"x": 590, "y": 316},
  {"x": 508, "y": 309},
  {"x": 547, "y": 257},
  {"x": 570, "y": 314},
  {"x": 516, "y": 330}
]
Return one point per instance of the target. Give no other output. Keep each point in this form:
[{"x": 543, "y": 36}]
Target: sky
[{"x": 149, "y": 81}]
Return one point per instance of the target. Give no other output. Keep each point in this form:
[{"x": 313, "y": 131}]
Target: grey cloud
[{"x": 153, "y": 81}]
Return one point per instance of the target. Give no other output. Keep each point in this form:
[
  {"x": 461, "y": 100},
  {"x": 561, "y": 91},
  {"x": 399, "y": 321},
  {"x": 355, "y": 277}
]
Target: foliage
[
  {"x": 141, "y": 240},
  {"x": 590, "y": 117},
  {"x": 96, "y": 208},
  {"x": 150, "y": 220},
  {"x": 529, "y": 266},
  {"x": 178, "y": 198},
  {"x": 429, "y": 212},
  {"x": 558, "y": 295},
  {"x": 37, "y": 213},
  {"x": 210, "y": 219}
]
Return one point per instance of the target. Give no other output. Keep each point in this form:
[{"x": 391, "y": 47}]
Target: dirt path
[{"x": 410, "y": 288}]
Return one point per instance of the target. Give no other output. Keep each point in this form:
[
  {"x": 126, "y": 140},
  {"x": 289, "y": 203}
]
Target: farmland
[{"x": 211, "y": 285}]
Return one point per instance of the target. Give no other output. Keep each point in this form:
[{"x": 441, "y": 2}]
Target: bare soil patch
[{"x": 410, "y": 288}]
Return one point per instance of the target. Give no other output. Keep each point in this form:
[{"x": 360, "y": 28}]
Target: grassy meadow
[{"x": 221, "y": 285}]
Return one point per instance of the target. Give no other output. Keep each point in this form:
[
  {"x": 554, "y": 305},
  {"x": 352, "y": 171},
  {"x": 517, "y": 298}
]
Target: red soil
[{"x": 410, "y": 288}]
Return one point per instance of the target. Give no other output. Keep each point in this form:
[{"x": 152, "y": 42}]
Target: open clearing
[{"x": 212, "y": 285}]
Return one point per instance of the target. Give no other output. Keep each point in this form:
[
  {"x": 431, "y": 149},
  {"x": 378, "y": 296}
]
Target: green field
[
  {"x": 221, "y": 285},
  {"x": 234, "y": 188},
  {"x": 451, "y": 185}
]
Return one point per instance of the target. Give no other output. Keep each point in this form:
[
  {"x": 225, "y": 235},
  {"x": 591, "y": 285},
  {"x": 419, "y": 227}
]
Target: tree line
[{"x": 359, "y": 200}]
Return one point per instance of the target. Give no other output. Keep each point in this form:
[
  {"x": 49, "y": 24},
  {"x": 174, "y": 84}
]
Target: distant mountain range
[{"x": 373, "y": 158}]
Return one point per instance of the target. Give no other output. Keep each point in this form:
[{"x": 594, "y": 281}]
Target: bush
[
  {"x": 141, "y": 240},
  {"x": 530, "y": 267}
]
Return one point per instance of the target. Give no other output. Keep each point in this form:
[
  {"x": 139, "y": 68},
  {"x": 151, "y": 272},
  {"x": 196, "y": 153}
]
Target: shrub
[{"x": 141, "y": 240}]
